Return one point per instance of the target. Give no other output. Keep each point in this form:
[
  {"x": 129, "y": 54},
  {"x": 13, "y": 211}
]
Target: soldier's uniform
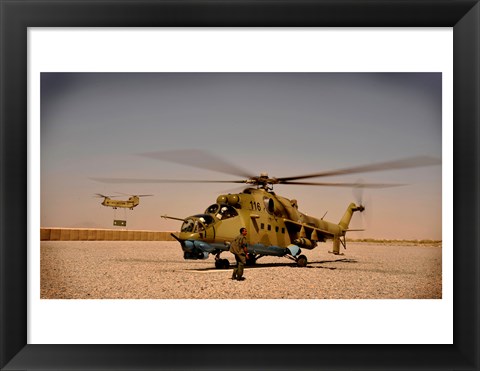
[{"x": 237, "y": 248}]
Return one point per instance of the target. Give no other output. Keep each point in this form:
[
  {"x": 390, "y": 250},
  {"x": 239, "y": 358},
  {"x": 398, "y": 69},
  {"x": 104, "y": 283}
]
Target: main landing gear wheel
[
  {"x": 302, "y": 261},
  {"x": 222, "y": 264}
]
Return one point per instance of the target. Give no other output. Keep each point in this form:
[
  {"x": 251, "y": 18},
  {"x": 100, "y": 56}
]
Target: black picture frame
[{"x": 17, "y": 16}]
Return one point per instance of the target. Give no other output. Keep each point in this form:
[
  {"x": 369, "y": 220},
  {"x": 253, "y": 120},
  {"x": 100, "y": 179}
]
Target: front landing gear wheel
[
  {"x": 302, "y": 261},
  {"x": 222, "y": 264}
]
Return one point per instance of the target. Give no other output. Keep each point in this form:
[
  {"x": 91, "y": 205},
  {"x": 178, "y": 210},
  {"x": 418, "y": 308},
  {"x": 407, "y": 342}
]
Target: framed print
[{"x": 198, "y": 44}]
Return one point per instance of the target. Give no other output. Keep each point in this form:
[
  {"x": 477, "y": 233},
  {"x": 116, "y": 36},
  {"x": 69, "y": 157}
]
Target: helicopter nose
[{"x": 188, "y": 236}]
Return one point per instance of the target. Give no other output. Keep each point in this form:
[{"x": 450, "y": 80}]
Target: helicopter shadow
[
  {"x": 311, "y": 265},
  {"x": 344, "y": 260}
]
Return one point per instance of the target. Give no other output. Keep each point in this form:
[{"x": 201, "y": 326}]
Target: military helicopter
[
  {"x": 132, "y": 201},
  {"x": 275, "y": 225}
]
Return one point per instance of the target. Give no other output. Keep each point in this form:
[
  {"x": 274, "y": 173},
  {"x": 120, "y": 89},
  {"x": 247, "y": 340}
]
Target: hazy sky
[{"x": 286, "y": 124}]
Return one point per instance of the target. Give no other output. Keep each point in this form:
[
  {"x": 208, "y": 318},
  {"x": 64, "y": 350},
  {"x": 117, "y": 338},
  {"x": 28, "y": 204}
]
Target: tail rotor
[{"x": 364, "y": 203}]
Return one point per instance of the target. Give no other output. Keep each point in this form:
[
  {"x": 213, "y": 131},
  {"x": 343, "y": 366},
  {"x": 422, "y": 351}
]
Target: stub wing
[{"x": 303, "y": 230}]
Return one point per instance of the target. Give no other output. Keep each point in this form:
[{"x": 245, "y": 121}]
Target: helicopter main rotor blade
[
  {"x": 199, "y": 159},
  {"x": 131, "y": 181},
  {"x": 406, "y": 163},
  {"x": 128, "y": 194},
  {"x": 99, "y": 195},
  {"x": 352, "y": 185}
]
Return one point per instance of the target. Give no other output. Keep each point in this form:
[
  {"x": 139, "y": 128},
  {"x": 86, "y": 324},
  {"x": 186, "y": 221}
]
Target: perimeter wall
[{"x": 81, "y": 234}]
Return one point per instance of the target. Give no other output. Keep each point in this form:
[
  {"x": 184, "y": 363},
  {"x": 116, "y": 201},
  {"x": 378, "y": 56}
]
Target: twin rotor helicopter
[
  {"x": 276, "y": 227},
  {"x": 130, "y": 203}
]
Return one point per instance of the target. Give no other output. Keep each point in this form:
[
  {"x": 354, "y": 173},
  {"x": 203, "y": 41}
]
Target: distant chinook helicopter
[
  {"x": 132, "y": 201},
  {"x": 275, "y": 225}
]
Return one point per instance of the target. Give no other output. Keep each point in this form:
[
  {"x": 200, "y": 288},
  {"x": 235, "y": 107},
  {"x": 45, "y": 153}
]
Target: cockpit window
[
  {"x": 197, "y": 224},
  {"x": 226, "y": 212},
  {"x": 188, "y": 225},
  {"x": 205, "y": 219},
  {"x": 212, "y": 209}
]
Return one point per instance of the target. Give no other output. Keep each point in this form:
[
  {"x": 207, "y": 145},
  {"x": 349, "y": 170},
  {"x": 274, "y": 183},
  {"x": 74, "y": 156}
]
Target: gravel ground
[{"x": 157, "y": 270}]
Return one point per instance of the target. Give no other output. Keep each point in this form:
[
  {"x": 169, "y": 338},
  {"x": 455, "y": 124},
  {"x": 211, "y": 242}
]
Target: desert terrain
[{"x": 157, "y": 270}]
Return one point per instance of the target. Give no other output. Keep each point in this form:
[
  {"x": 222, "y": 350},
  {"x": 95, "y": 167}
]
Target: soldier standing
[{"x": 239, "y": 248}]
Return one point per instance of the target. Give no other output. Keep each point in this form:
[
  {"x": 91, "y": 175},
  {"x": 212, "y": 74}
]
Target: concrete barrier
[
  {"x": 45, "y": 234},
  {"x": 81, "y": 234}
]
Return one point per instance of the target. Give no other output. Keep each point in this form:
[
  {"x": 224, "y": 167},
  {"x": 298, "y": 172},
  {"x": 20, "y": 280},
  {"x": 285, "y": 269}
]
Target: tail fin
[{"x": 345, "y": 221}]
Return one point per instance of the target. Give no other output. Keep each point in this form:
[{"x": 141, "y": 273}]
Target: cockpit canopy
[
  {"x": 197, "y": 223},
  {"x": 221, "y": 211}
]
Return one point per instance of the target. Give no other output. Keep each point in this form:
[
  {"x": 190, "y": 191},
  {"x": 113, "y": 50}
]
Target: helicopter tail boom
[
  {"x": 345, "y": 221},
  {"x": 343, "y": 224}
]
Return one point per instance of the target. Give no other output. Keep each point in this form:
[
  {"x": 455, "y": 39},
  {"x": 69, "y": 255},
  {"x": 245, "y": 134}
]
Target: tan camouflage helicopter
[
  {"x": 275, "y": 225},
  {"x": 132, "y": 201}
]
